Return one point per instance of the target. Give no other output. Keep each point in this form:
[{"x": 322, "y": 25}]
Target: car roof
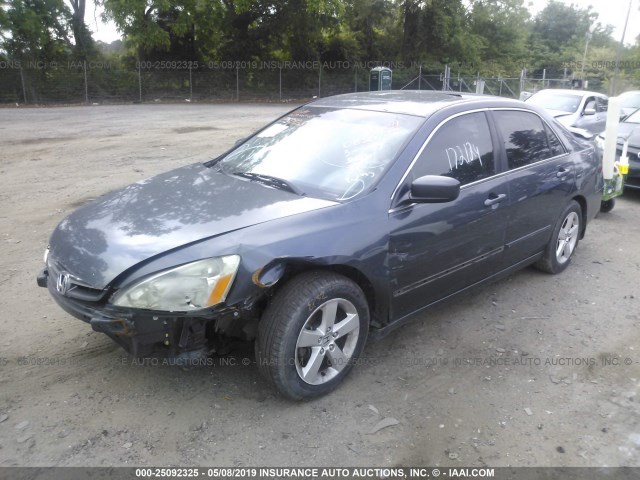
[
  {"x": 421, "y": 103},
  {"x": 574, "y": 92}
]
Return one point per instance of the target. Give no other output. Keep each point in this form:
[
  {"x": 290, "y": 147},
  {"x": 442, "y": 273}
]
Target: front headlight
[{"x": 192, "y": 286}]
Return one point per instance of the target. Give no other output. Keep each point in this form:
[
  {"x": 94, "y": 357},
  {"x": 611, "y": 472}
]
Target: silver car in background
[
  {"x": 629, "y": 102},
  {"x": 575, "y": 109}
]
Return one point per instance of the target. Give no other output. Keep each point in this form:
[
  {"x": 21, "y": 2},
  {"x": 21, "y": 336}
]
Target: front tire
[
  {"x": 311, "y": 334},
  {"x": 564, "y": 240},
  {"x": 607, "y": 205}
]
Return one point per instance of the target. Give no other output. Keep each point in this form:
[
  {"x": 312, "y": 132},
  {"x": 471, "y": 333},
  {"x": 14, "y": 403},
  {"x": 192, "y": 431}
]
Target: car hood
[
  {"x": 624, "y": 111},
  {"x": 559, "y": 113},
  {"x": 121, "y": 229}
]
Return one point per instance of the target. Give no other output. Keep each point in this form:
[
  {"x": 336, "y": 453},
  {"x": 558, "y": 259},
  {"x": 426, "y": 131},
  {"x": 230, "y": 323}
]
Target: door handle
[
  {"x": 562, "y": 172},
  {"x": 492, "y": 200}
]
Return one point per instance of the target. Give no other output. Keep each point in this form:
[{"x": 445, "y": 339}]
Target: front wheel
[
  {"x": 311, "y": 334},
  {"x": 607, "y": 205},
  {"x": 564, "y": 240}
]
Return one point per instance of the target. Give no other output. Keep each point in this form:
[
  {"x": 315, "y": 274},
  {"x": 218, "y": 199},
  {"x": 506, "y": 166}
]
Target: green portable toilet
[{"x": 380, "y": 79}]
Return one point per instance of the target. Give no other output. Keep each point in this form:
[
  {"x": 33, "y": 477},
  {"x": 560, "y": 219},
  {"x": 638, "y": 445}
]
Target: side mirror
[
  {"x": 589, "y": 111},
  {"x": 434, "y": 189},
  {"x": 239, "y": 141}
]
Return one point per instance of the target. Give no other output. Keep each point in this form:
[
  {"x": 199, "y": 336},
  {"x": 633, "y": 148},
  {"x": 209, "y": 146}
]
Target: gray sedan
[{"x": 341, "y": 220}]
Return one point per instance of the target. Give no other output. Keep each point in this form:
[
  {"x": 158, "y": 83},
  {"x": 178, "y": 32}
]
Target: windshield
[
  {"x": 630, "y": 100},
  {"x": 328, "y": 153},
  {"x": 563, "y": 102},
  {"x": 633, "y": 118}
]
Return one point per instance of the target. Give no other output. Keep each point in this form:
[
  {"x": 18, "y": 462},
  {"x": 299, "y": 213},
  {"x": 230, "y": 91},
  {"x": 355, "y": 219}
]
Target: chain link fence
[{"x": 101, "y": 82}]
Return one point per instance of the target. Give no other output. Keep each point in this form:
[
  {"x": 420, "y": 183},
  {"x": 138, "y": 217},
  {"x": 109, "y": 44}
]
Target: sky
[{"x": 611, "y": 12}]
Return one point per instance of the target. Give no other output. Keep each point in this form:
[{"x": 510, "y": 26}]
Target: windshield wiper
[{"x": 271, "y": 181}]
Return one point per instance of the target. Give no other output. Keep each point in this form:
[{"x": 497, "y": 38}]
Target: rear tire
[
  {"x": 311, "y": 334},
  {"x": 564, "y": 240}
]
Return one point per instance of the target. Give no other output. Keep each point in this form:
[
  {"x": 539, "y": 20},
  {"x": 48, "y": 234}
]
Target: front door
[{"x": 437, "y": 249}]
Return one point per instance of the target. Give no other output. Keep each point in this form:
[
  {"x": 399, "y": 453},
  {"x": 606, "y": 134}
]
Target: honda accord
[{"x": 343, "y": 219}]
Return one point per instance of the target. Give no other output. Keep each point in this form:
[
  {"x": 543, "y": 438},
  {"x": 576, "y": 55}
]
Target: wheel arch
[
  {"x": 295, "y": 267},
  {"x": 582, "y": 201}
]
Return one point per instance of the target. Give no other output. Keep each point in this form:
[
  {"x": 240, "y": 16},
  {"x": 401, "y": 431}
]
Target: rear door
[
  {"x": 436, "y": 249},
  {"x": 541, "y": 180}
]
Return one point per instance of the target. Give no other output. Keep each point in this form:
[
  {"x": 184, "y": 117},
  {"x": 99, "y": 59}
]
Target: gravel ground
[{"x": 535, "y": 370}]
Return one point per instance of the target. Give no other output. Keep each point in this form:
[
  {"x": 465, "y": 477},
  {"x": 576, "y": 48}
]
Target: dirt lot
[{"x": 536, "y": 370}]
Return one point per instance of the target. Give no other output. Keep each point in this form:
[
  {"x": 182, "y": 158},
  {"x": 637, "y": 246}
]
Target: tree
[
  {"x": 445, "y": 36},
  {"x": 35, "y": 30},
  {"x": 152, "y": 26},
  {"x": 559, "y": 26},
  {"x": 374, "y": 24},
  {"x": 410, "y": 27},
  {"x": 502, "y": 26},
  {"x": 559, "y": 36},
  {"x": 81, "y": 34}
]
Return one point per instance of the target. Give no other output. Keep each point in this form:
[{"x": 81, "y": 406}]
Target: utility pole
[
  {"x": 584, "y": 57},
  {"x": 614, "y": 86}
]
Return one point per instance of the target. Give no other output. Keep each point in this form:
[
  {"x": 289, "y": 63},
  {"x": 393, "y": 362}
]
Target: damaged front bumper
[{"x": 145, "y": 333}]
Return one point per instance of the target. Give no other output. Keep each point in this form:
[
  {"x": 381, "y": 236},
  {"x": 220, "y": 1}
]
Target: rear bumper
[{"x": 144, "y": 333}]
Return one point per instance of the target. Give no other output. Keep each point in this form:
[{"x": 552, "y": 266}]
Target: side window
[
  {"x": 590, "y": 104},
  {"x": 524, "y": 136},
  {"x": 556, "y": 146},
  {"x": 603, "y": 104},
  {"x": 461, "y": 149}
]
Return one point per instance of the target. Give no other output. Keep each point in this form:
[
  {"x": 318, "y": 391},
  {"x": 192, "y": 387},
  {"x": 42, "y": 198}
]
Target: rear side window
[
  {"x": 603, "y": 104},
  {"x": 590, "y": 104},
  {"x": 554, "y": 144},
  {"x": 461, "y": 149},
  {"x": 525, "y": 138}
]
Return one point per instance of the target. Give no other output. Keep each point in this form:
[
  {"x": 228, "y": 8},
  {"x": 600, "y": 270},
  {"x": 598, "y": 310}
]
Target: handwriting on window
[{"x": 460, "y": 155}]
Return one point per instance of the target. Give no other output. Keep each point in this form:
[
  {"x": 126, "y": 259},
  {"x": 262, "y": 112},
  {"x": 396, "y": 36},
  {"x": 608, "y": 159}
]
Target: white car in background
[
  {"x": 629, "y": 102},
  {"x": 575, "y": 109}
]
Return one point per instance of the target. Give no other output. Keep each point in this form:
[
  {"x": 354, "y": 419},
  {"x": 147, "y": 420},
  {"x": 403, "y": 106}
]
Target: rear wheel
[
  {"x": 311, "y": 334},
  {"x": 564, "y": 240}
]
